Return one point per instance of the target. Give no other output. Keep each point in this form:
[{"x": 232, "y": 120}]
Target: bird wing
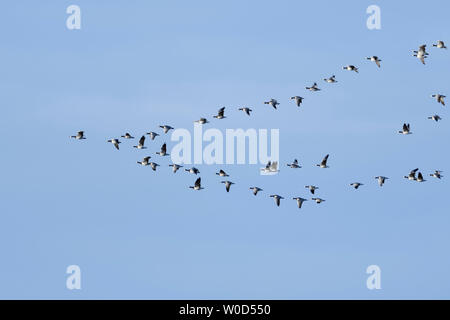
[
  {"x": 198, "y": 182},
  {"x": 163, "y": 148},
  {"x": 141, "y": 141},
  {"x": 221, "y": 112},
  {"x": 324, "y": 161}
]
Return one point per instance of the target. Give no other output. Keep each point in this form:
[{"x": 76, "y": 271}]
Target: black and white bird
[
  {"x": 227, "y": 184},
  {"x": 220, "y": 113},
  {"x": 350, "y": 68},
  {"x": 127, "y": 136},
  {"x": 115, "y": 143},
  {"x": 197, "y": 185},
  {"x": 440, "y": 44},
  {"x": 412, "y": 175},
  {"x": 439, "y": 98},
  {"x": 271, "y": 167},
  {"x": 79, "y": 136},
  {"x": 201, "y": 121},
  {"x": 141, "y": 143},
  {"x": 175, "y": 167},
  {"x": 145, "y": 161},
  {"x": 381, "y": 180},
  {"x": 246, "y": 110},
  {"x": 420, "y": 177},
  {"x": 298, "y": 100},
  {"x": 375, "y": 59},
  {"x": 255, "y": 190},
  {"x": 323, "y": 164},
  {"x": 331, "y": 79},
  {"x": 166, "y": 128},
  {"x": 277, "y": 198},
  {"x": 318, "y": 200},
  {"x": 300, "y": 201},
  {"x": 312, "y": 188},
  {"x": 163, "y": 151},
  {"x": 222, "y": 173},
  {"x": 437, "y": 174},
  {"x": 406, "y": 129},
  {"x": 152, "y": 135},
  {"x": 294, "y": 165},
  {"x": 153, "y": 165},
  {"x": 192, "y": 170},
  {"x": 421, "y": 54},
  {"x": 274, "y": 103},
  {"x": 435, "y": 117},
  {"x": 356, "y": 185},
  {"x": 313, "y": 88}
]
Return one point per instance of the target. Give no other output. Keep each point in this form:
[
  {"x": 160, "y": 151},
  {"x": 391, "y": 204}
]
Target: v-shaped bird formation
[{"x": 272, "y": 166}]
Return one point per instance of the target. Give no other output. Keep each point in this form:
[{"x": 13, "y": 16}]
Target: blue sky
[{"x": 137, "y": 234}]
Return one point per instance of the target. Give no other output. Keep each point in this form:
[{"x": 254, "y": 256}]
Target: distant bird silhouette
[
  {"x": 246, "y": 110},
  {"x": 351, "y": 68},
  {"x": 227, "y": 184},
  {"x": 375, "y": 59},
  {"x": 277, "y": 198},
  {"x": 141, "y": 143},
  {"x": 274, "y": 103},
  {"x": 255, "y": 190},
  {"x": 406, "y": 129},
  {"x": 222, "y": 173},
  {"x": 323, "y": 164},
  {"x": 381, "y": 180},
  {"x": 318, "y": 200},
  {"x": 437, "y": 174},
  {"x": 440, "y": 44},
  {"x": 435, "y": 117},
  {"x": 163, "y": 151},
  {"x": 79, "y": 136},
  {"x": 298, "y": 100},
  {"x": 294, "y": 164},
  {"x": 145, "y": 161},
  {"x": 313, "y": 87},
  {"x": 421, "y": 54},
  {"x": 152, "y": 135},
  {"x": 420, "y": 177},
  {"x": 197, "y": 185},
  {"x": 439, "y": 98},
  {"x": 220, "y": 114},
  {"x": 154, "y": 165},
  {"x": 127, "y": 136},
  {"x": 331, "y": 79},
  {"x": 412, "y": 175},
  {"x": 175, "y": 167},
  {"x": 202, "y": 121},
  {"x": 115, "y": 143},
  {"x": 312, "y": 189},
  {"x": 192, "y": 170},
  {"x": 166, "y": 128},
  {"x": 299, "y": 201},
  {"x": 356, "y": 185}
]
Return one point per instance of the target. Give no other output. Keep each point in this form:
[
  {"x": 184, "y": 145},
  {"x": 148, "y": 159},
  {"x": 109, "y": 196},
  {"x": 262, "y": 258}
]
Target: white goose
[
  {"x": 197, "y": 185},
  {"x": 313, "y": 87},
  {"x": 439, "y": 98},
  {"x": 299, "y": 201},
  {"x": 227, "y": 184},
  {"x": 79, "y": 136},
  {"x": 274, "y": 103},
  {"x": 298, "y": 100},
  {"x": 166, "y": 128},
  {"x": 175, "y": 167},
  {"x": 141, "y": 143},
  {"x": 220, "y": 113},
  {"x": 115, "y": 143},
  {"x": 255, "y": 190},
  {"x": 277, "y": 198},
  {"x": 381, "y": 180},
  {"x": 350, "y": 68},
  {"x": 375, "y": 59}
]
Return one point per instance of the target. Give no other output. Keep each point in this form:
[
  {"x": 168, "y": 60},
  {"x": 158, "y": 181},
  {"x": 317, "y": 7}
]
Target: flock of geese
[{"x": 421, "y": 54}]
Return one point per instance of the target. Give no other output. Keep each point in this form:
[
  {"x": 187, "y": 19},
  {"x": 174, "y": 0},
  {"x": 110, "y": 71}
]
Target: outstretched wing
[
  {"x": 324, "y": 161},
  {"x": 221, "y": 112},
  {"x": 198, "y": 182},
  {"x": 163, "y": 148},
  {"x": 141, "y": 141}
]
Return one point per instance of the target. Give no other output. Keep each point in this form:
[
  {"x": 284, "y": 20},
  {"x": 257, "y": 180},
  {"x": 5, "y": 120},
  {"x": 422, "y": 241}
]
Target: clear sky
[{"x": 139, "y": 234}]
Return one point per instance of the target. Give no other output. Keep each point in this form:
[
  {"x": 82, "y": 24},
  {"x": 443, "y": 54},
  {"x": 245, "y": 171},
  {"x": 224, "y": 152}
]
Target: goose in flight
[
  {"x": 381, "y": 180},
  {"x": 299, "y": 201},
  {"x": 271, "y": 167},
  {"x": 220, "y": 113},
  {"x": 145, "y": 161},
  {"x": 197, "y": 185},
  {"x": 166, "y": 128},
  {"x": 153, "y": 165},
  {"x": 175, "y": 167},
  {"x": 440, "y": 44},
  {"x": 312, "y": 189},
  {"x": 141, "y": 143},
  {"x": 255, "y": 190},
  {"x": 420, "y": 177},
  {"x": 277, "y": 198},
  {"x": 412, "y": 175},
  {"x": 298, "y": 100},
  {"x": 201, "y": 121},
  {"x": 323, "y": 164},
  {"x": 115, "y": 143},
  {"x": 350, "y": 68},
  {"x": 439, "y": 98},
  {"x": 127, "y": 136},
  {"x": 163, "y": 151},
  {"x": 421, "y": 54},
  {"x": 331, "y": 79},
  {"x": 318, "y": 200},
  {"x": 313, "y": 87},
  {"x": 246, "y": 110},
  {"x": 79, "y": 136},
  {"x": 435, "y": 117},
  {"x": 274, "y": 103},
  {"x": 152, "y": 135},
  {"x": 192, "y": 170},
  {"x": 227, "y": 184},
  {"x": 222, "y": 173},
  {"x": 437, "y": 174},
  {"x": 406, "y": 129},
  {"x": 356, "y": 185},
  {"x": 294, "y": 165},
  {"x": 375, "y": 59}
]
